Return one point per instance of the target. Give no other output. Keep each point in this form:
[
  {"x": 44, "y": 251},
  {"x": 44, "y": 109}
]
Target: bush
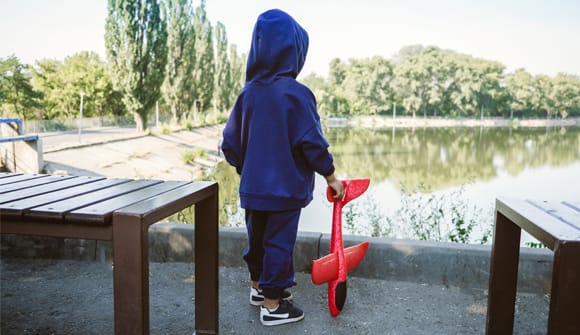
[{"x": 190, "y": 155}]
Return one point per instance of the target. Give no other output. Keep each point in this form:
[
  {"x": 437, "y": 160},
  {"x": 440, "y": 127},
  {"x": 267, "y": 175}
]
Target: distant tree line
[
  {"x": 158, "y": 51},
  {"x": 429, "y": 81}
]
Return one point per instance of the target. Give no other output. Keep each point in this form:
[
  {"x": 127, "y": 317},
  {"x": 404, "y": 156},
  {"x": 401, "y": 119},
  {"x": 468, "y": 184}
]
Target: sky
[{"x": 541, "y": 36}]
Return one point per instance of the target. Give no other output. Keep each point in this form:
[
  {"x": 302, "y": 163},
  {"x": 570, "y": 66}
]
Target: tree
[
  {"x": 412, "y": 82},
  {"x": 17, "y": 96},
  {"x": 566, "y": 93},
  {"x": 135, "y": 38},
  {"x": 519, "y": 86},
  {"x": 203, "y": 73},
  {"x": 237, "y": 72},
  {"x": 178, "y": 82},
  {"x": 45, "y": 79},
  {"x": 223, "y": 80},
  {"x": 62, "y": 83},
  {"x": 543, "y": 95}
]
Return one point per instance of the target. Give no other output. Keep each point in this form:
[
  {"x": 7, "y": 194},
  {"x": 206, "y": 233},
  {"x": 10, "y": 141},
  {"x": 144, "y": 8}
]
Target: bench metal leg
[
  {"x": 206, "y": 266},
  {"x": 130, "y": 275},
  {"x": 564, "y": 315},
  {"x": 505, "y": 255}
]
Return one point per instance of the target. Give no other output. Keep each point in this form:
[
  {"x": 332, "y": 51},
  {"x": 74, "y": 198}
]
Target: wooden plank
[
  {"x": 8, "y": 174},
  {"x": 57, "y": 210},
  {"x": 561, "y": 212},
  {"x": 52, "y": 187},
  {"x": 541, "y": 225},
  {"x": 48, "y": 228},
  {"x": 18, "y": 178},
  {"x": 163, "y": 205},
  {"x": 17, "y": 208},
  {"x": 102, "y": 212},
  {"x": 31, "y": 183},
  {"x": 573, "y": 204}
]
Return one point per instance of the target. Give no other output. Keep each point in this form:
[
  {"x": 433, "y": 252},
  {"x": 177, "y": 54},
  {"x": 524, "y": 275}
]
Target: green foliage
[
  {"x": 165, "y": 129},
  {"x": 203, "y": 73},
  {"x": 61, "y": 85},
  {"x": 237, "y": 72},
  {"x": 178, "y": 80},
  {"x": 190, "y": 155},
  {"x": 433, "y": 82},
  {"x": 136, "y": 42},
  {"x": 223, "y": 80},
  {"x": 187, "y": 124},
  {"x": 537, "y": 245},
  {"x": 17, "y": 95}
]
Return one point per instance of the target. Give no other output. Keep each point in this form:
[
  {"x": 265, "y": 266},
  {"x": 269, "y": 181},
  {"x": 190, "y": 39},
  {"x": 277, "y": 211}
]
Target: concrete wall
[
  {"x": 20, "y": 156},
  {"x": 451, "y": 264}
]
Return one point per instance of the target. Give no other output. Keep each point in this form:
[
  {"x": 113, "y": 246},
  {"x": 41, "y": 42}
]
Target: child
[{"x": 274, "y": 140}]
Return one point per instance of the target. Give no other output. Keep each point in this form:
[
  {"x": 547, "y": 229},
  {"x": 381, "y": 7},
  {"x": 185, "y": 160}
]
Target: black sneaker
[
  {"x": 257, "y": 298},
  {"x": 285, "y": 313}
]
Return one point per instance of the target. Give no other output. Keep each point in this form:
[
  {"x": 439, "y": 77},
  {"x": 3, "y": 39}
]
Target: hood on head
[{"x": 279, "y": 47}]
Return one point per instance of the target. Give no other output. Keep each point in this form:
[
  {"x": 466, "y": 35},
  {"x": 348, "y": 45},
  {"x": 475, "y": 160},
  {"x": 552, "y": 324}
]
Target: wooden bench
[
  {"x": 120, "y": 210},
  {"x": 557, "y": 226}
]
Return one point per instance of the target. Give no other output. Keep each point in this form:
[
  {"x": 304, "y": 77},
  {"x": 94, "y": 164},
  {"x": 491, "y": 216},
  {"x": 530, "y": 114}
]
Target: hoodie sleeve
[
  {"x": 315, "y": 150},
  {"x": 231, "y": 143}
]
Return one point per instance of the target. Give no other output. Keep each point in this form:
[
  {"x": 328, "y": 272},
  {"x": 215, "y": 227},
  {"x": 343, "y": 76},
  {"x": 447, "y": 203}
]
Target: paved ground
[
  {"x": 114, "y": 153},
  {"x": 70, "y": 297},
  {"x": 52, "y": 141}
]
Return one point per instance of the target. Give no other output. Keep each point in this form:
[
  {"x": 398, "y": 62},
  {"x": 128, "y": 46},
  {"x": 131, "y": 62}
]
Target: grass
[{"x": 190, "y": 155}]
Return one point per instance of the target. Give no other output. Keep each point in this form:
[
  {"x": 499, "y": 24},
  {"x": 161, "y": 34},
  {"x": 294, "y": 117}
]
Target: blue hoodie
[{"x": 273, "y": 136}]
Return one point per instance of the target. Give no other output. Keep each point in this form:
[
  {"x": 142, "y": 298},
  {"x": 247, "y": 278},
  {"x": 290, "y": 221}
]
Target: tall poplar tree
[
  {"x": 203, "y": 73},
  {"x": 237, "y": 72},
  {"x": 177, "y": 87},
  {"x": 135, "y": 39},
  {"x": 223, "y": 80}
]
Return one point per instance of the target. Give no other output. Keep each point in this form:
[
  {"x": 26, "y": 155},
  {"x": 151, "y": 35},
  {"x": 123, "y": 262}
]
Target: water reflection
[{"x": 433, "y": 183}]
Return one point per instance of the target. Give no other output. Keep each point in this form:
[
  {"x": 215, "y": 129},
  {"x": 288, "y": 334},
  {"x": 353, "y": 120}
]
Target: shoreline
[{"x": 409, "y": 122}]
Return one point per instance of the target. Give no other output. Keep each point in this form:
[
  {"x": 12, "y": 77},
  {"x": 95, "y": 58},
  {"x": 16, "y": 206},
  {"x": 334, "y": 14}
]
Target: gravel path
[{"x": 71, "y": 297}]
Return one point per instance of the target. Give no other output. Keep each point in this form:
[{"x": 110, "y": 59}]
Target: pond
[{"x": 435, "y": 183}]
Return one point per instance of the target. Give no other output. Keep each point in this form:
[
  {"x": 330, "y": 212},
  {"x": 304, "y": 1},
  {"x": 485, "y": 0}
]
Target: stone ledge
[{"x": 450, "y": 264}]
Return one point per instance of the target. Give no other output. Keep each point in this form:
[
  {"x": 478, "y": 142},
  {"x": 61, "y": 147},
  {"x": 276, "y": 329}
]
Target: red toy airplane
[{"x": 332, "y": 268}]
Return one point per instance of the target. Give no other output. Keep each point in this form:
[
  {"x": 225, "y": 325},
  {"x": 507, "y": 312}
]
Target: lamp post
[{"x": 81, "y": 115}]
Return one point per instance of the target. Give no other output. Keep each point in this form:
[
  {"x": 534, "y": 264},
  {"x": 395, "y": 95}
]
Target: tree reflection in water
[{"x": 431, "y": 168}]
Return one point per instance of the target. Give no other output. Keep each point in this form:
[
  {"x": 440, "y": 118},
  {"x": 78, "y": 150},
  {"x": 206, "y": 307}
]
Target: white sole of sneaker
[{"x": 279, "y": 322}]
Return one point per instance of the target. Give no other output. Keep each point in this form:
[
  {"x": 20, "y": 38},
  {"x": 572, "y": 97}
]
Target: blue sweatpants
[{"x": 270, "y": 253}]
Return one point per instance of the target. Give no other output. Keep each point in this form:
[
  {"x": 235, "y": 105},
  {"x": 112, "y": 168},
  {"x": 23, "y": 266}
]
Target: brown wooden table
[
  {"x": 557, "y": 226},
  {"x": 120, "y": 210}
]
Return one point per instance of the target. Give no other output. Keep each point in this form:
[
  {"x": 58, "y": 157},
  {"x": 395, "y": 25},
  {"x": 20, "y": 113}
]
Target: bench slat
[
  {"x": 16, "y": 208},
  {"x": 31, "y": 183},
  {"x": 558, "y": 210},
  {"x": 102, "y": 212},
  {"x": 46, "y": 188},
  {"x": 538, "y": 223},
  {"x": 18, "y": 178},
  {"x": 159, "y": 207},
  {"x": 8, "y": 174},
  {"x": 57, "y": 210},
  {"x": 573, "y": 204}
]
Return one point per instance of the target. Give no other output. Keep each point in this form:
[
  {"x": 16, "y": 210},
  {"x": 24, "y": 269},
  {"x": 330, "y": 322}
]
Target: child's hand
[{"x": 336, "y": 185}]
